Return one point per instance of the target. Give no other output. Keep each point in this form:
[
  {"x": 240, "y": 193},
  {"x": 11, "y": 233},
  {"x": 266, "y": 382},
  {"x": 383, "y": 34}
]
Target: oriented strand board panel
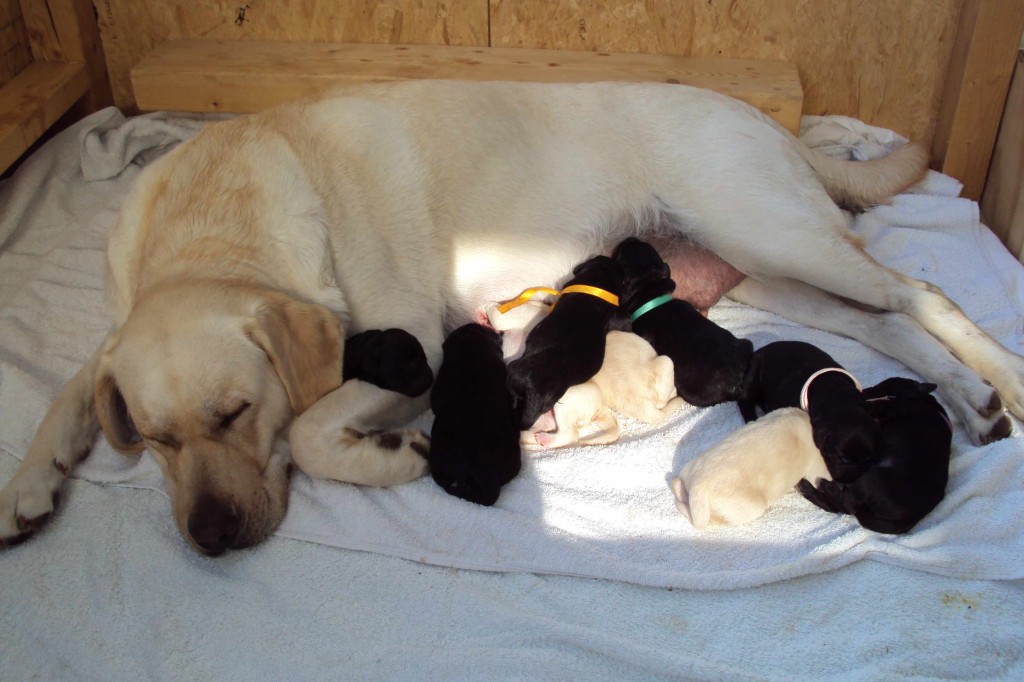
[
  {"x": 245, "y": 77},
  {"x": 883, "y": 61},
  {"x": 130, "y": 29}
]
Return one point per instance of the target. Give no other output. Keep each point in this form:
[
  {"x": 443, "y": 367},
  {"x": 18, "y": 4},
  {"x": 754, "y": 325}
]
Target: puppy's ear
[
  {"x": 304, "y": 343},
  {"x": 112, "y": 412},
  {"x": 927, "y": 387}
]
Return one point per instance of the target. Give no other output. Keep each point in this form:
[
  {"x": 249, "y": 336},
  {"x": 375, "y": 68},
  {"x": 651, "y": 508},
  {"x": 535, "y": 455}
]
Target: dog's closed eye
[{"x": 226, "y": 420}]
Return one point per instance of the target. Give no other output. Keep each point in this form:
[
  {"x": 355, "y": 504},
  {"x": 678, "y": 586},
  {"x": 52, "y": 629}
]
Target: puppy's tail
[{"x": 859, "y": 184}]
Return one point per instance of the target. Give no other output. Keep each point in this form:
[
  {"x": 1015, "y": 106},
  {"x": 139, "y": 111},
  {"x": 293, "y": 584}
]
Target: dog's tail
[{"x": 859, "y": 184}]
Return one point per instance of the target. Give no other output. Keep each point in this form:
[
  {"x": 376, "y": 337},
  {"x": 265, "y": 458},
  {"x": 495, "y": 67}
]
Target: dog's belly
[{"x": 701, "y": 277}]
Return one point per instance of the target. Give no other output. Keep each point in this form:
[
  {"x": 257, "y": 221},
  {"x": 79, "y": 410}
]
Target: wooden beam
[
  {"x": 32, "y": 101},
  {"x": 247, "y": 76},
  {"x": 984, "y": 51},
  {"x": 1002, "y": 203},
  {"x": 41, "y": 33},
  {"x": 74, "y": 22}
]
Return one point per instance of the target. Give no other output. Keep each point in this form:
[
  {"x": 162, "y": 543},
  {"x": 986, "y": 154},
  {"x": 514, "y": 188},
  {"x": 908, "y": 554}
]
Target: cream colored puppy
[
  {"x": 750, "y": 470},
  {"x": 634, "y": 381}
]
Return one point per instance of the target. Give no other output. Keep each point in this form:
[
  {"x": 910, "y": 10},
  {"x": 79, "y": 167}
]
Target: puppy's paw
[
  {"x": 27, "y": 502},
  {"x": 546, "y": 439},
  {"x": 528, "y": 440},
  {"x": 386, "y": 458},
  {"x": 545, "y": 422}
]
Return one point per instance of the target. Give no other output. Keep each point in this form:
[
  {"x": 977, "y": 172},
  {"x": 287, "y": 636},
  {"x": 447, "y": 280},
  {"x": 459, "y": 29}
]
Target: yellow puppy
[
  {"x": 634, "y": 381},
  {"x": 739, "y": 478}
]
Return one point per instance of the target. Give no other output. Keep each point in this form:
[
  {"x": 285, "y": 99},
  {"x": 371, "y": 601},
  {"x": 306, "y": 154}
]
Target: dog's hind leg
[{"x": 893, "y": 334}]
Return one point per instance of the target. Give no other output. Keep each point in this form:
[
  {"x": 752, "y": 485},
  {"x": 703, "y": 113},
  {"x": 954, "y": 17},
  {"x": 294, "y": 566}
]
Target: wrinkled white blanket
[{"x": 604, "y": 512}]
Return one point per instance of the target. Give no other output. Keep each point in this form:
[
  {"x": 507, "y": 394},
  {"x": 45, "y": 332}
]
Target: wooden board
[
  {"x": 15, "y": 47},
  {"x": 132, "y": 28},
  {"x": 1002, "y": 203},
  {"x": 33, "y": 101},
  {"x": 976, "y": 84},
  {"x": 249, "y": 76}
]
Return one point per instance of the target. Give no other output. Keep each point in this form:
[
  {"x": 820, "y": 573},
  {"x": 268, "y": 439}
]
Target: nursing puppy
[
  {"x": 709, "y": 361},
  {"x": 514, "y": 325},
  {"x": 567, "y": 347},
  {"x": 388, "y": 358},
  {"x": 844, "y": 430},
  {"x": 752, "y": 468},
  {"x": 908, "y": 475},
  {"x": 634, "y": 381},
  {"x": 475, "y": 437}
]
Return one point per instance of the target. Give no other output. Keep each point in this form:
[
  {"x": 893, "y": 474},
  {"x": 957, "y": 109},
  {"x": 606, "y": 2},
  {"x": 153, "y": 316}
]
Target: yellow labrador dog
[{"x": 243, "y": 258}]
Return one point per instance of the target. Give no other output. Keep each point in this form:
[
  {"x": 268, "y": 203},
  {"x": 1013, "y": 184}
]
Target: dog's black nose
[{"x": 213, "y": 525}]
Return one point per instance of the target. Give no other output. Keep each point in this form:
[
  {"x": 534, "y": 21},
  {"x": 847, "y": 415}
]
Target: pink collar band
[{"x": 807, "y": 384}]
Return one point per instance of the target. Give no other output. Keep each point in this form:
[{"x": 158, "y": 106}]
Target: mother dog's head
[{"x": 206, "y": 374}]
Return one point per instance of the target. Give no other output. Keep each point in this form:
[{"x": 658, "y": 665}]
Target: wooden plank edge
[
  {"x": 977, "y": 80},
  {"x": 243, "y": 77},
  {"x": 33, "y": 101}
]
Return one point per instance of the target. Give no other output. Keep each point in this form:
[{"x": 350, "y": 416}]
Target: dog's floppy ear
[
  {"x": 304, "y": 343},
  {"x": 112, "y": 413}
]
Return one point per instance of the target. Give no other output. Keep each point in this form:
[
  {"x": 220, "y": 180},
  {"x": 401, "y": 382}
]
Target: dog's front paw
[
  {"x": 388, "y": 457},
  {"x": 27, "y": 501}
]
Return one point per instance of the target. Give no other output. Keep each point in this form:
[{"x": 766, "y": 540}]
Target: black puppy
[
  {"x": 908, "y": 475},
  {"x": 844, "y": 430},
  {"x": 474, "y": 442},
  {"x": 709, "y": 361},
  {"x": 567, "y": 347},
  {"x": 389, "y": 358}
]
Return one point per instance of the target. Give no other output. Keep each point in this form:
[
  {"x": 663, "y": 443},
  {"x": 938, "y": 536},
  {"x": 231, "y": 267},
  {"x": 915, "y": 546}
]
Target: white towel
[{"x": 603, "y": 512}]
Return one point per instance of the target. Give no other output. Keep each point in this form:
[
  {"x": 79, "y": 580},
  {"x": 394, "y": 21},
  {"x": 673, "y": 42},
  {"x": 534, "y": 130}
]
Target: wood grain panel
[
  {"x": 33, "y": 100},
  {"x": 15, "y": 49},
  {"x": 878, "y": 60},
  {"x": 41, "y": 33},
  {"x": 989, "y": 32},
  {"x": 233, "y": 76},
  {"x": 14, "y": 61},
  {"x": 1002, "y": 203},
  {"x": 132, "y": 28}
]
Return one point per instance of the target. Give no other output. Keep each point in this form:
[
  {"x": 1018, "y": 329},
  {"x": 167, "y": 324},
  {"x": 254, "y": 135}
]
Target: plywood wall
[
  {"x": 130, "y": 28},
  {"x": 883, "y": 61},
  {"x": 15, "y": 49}
]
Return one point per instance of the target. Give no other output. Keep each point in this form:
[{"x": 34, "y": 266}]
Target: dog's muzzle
[{"x": 214, "y": 526}]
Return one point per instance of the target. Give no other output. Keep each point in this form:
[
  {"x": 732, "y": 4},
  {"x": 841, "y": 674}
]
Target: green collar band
[{"x": 650, "y": 305}]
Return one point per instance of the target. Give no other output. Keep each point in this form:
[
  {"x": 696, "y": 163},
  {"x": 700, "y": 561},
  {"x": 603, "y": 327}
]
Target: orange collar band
[
  {"x": 528, "y": 294},
  {"x": 593, "y": 291},
  {"x": 524, "y": 297}
]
